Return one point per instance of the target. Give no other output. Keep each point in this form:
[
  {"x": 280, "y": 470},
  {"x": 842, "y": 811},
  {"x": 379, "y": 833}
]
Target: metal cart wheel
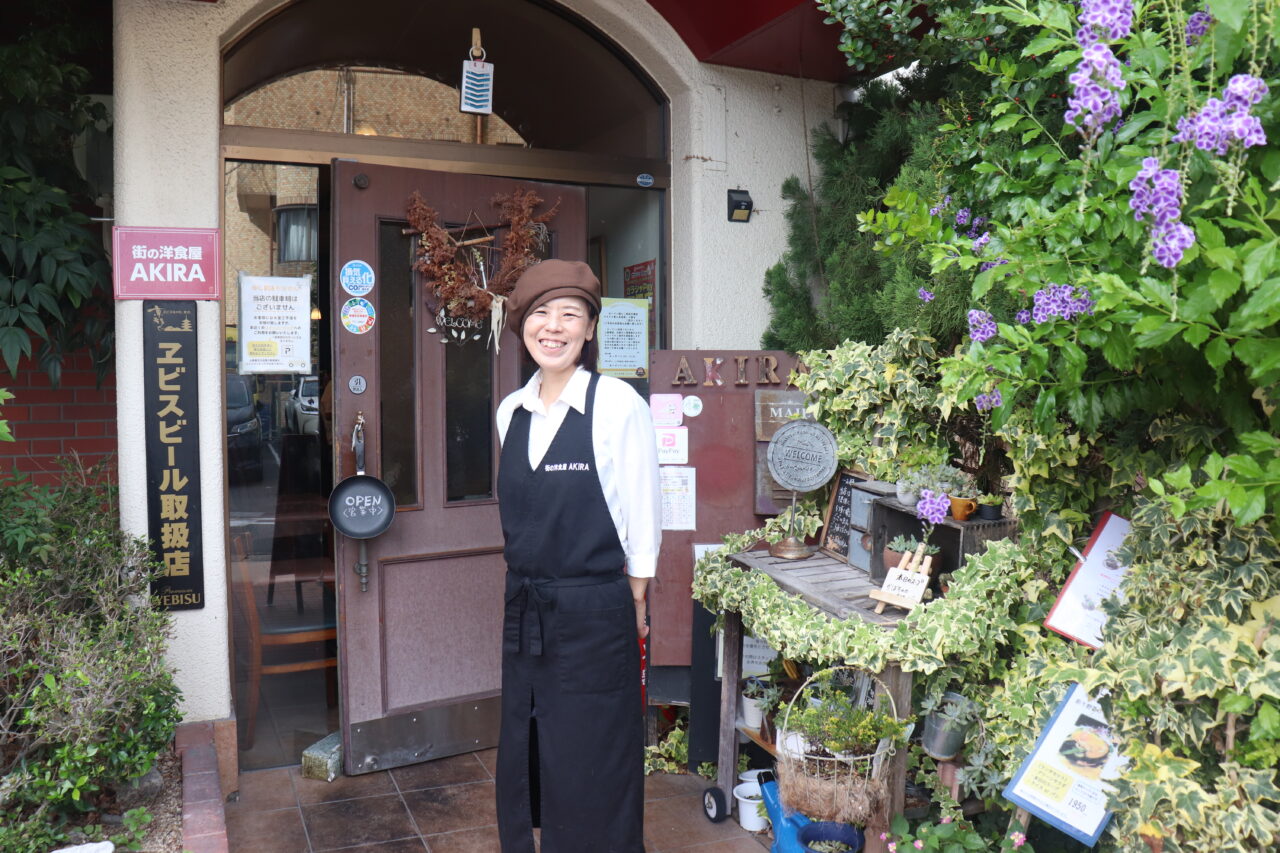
[{"x": 715, "y": 804}]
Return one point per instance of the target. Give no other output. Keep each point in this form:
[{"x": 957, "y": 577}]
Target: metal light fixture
[
  {"x": 740, "y": 206},
  {"x": 315, "y": 312}
]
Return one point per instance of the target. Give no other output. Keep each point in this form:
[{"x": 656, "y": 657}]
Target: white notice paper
[
  {"x": 624, "y": 338},
  {"x": 679, "y": 498},
  {"x": 275, "y": 324},
  {"x": 673, "y": 445}
]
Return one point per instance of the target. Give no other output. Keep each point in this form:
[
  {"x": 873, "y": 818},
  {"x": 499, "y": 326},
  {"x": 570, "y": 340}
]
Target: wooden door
[{"x": 419, "y": 655}]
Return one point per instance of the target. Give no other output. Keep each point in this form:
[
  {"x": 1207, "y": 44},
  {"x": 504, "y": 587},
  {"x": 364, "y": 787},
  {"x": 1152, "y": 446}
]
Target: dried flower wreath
[{"x": 455, "y": 271}]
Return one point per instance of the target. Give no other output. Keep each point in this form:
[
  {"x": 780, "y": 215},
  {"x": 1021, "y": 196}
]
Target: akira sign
[{"x": 166, "y": 263}]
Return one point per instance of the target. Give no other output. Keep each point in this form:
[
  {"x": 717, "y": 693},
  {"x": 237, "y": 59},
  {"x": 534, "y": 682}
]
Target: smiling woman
[{"x": 578, "y": 494}]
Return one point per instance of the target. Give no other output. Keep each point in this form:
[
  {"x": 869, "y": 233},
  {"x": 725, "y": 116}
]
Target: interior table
[{"x": 841, "y": 591}]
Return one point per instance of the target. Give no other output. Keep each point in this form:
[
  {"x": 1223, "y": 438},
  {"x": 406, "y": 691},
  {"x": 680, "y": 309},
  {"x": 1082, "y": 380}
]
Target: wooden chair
[{"x": 278, "y": 628}]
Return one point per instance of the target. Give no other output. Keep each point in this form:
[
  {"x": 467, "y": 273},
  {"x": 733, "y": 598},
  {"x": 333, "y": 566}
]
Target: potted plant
[
  {"x": 947, "y": 719},
  {"x": 899, "y": 545},
  {"x": 769, "y": 700},
  {"x": 833, "y": 726},
  {"x": 908, "y": 487},
  {"x": 753, "y": 689},
  {"x": 959, "y": 488},
  {"x": 831, "y": 745},
  {"x": 950, "y": 833},
  {"x": 990, "y": 507}
]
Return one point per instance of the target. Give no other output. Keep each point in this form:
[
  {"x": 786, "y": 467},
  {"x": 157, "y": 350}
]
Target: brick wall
[{"x": 50, "y": 423}]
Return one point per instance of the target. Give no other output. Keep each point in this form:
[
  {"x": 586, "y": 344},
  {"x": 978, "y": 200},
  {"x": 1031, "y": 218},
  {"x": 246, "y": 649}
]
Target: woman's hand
[{"x": 639, "y": 586}]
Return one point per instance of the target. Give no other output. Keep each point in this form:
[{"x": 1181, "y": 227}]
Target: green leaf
[
  {"x": 1159, "y": 336},
  {"x": 1005, "y": 122},
  {"x": 1260, "y": 263},
  {"x": 1229, "y": 12},
  {"x": 1223, "y": 283},
  {"x": 1218, "y": 352},
  {"x": 1196, "y": 334},
  {"x": 1261, "y": 310},
  {"x": 1248, "y": 504}
]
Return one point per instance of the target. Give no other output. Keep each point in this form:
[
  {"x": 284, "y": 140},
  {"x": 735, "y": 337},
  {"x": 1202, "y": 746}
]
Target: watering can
[{"x": 793, "y": 832}]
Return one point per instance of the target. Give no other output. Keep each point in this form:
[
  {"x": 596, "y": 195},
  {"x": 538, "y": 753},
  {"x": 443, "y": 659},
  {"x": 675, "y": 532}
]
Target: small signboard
[
  {"x": 904, "y": 586},
  {"x": 172, "y": 429},
  {"x": 166, "y": 263},
  {"x": 1062, "y": 780},
  {"x": 837, "y": 527},
  {"x": 275, "y": 324},
  {"x": 774, "y": 409},
  {"x": 1078, "y": 614}
]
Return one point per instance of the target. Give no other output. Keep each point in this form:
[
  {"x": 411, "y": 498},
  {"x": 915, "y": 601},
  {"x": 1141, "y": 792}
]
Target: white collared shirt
[{"x": 625, "y": 449}]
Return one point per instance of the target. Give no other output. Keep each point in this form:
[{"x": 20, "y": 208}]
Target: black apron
[{"x": 571, "y": 747}]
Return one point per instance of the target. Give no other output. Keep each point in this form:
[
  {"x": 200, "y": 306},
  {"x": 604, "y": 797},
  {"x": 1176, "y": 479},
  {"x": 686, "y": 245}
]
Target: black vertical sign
[{"x": 173, "y": 452}]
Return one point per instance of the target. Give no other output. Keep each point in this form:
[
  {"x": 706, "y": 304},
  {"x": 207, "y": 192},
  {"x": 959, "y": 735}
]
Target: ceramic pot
[
  {"x": 962, "y": 508},
  {"x": 989, "y": 513},
  {"x": 908, "y": 496},
  {"x": 892, "y": 558}
]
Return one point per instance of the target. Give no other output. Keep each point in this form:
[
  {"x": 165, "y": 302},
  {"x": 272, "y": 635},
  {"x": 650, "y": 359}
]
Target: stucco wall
[{"x": 729, "y": 129}]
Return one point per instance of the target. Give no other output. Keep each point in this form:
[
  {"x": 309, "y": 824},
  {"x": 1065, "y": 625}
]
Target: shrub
[{"x": 87, "y": 701}]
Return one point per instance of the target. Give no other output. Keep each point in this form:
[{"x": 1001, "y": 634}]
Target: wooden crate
[{"x": 955, "y": 539}]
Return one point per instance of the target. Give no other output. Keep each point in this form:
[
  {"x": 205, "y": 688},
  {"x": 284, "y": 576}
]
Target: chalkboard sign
[{"x": 837, "y": 526}]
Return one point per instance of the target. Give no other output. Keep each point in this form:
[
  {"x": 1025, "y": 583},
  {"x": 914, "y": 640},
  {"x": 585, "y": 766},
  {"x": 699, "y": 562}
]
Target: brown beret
[{"x": 547, "y": 280}]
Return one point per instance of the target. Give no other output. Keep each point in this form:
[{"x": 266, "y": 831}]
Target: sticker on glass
[
  {"x": 358, "y": 316},
  {"x": 356, "y": 277}
]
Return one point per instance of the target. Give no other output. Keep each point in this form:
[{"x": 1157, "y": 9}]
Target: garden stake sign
[{"x": 905, "y": 584}]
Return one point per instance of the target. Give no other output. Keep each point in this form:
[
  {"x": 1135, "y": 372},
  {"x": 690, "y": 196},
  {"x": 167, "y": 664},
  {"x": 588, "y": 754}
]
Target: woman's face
[{"x": 555, "y": 331}]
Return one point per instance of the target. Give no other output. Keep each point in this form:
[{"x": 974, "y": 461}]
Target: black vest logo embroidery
[{"x": 567, "y": 466}]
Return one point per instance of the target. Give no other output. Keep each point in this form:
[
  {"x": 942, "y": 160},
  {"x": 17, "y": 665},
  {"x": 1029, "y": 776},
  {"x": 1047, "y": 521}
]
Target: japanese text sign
[
  {"x": 173, "y": 453},
  {"x": 166, "y": 263}
]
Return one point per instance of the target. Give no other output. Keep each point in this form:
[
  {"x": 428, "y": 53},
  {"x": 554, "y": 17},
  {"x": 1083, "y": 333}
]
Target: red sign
[{"x": 166, "y": 263}]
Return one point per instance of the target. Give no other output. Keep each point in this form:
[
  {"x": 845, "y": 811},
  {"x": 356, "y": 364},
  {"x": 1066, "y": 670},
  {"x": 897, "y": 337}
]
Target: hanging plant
[{"x": 455, "y": 270}]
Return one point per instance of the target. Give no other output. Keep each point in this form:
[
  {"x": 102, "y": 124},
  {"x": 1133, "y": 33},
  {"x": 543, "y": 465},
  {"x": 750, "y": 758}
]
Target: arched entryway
[{"x": 312, "y": 84}]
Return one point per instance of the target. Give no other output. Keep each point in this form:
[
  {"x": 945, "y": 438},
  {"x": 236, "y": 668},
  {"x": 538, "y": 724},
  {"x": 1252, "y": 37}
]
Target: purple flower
[
  {"x": 981, "y": 242},
  {"x": 998, "y": 262},
  {"x": 1094, "y": 101},
  {"x": 1170, "y": 243},
  {"x": 1109, "y": 19},
  {"x": 1023, "y": 316},
  {"x": 1157, "y": 193},
  {"x": 1197, "y": 26},
  {"x": 987, "y": 402},
  {"x": 962, "y": 216},
  {"x": 982, "y": 326},
  {"x": 1059, "y": 300},
  {"x": 932, "y": 507},
  {"x": 1221, "y": 123},
  {"x": 925, "y": 295}
]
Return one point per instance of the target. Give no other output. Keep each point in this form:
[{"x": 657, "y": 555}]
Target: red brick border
[{"x": 204, "y": 818}]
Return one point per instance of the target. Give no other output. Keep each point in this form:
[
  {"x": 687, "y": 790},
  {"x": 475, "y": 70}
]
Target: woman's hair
[{"x": 587, "y": 357}]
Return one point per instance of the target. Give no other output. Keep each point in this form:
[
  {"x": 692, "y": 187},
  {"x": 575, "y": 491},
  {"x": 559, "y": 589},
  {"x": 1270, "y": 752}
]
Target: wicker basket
[{"x": 848, "y": 789}]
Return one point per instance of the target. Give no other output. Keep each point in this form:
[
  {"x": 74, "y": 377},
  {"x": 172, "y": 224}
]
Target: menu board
[
  {"x": 837, "y": 526},
  {"x": 1064, "y": 781}
]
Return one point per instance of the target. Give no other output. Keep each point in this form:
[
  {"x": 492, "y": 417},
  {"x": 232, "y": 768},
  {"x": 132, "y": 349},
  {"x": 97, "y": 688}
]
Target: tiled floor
[{"x": 443, "y": 806}]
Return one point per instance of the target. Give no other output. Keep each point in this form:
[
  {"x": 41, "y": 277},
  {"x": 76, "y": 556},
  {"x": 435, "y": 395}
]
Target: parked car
[
  {"x": 302, "y": 410},
  {"x": 244, "y": 429}
]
